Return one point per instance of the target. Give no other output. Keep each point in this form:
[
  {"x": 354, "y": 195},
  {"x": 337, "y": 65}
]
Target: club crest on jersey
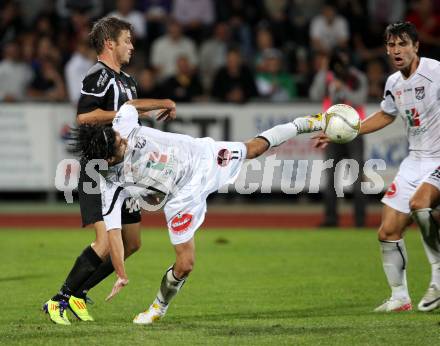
[
  {"x": 180, "y": 223},
  {"x": 392, "y": 190},
  {"x": 140, "y": 143},
  {"x": 420, "y": 92}
]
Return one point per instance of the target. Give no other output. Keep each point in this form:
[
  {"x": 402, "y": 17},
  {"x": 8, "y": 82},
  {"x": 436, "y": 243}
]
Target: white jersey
[
  {"x": 156, "y": 162},
  {"x": 417, "y": 101},
  {"x": 181, "y": 169}
]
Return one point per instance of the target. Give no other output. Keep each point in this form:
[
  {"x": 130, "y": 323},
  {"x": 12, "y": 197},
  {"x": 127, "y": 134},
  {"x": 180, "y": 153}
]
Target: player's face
[
  {"x": 124, "y": 47},
  {"x": 120, "y": 146},
  {"x": 402, "y": 52}
]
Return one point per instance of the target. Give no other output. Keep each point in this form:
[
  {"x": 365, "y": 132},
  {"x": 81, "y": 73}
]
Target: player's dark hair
[
  {"x": 93, "y": 142},
  {"x": 107, "y": 28},
  {"x": 401, "y": 30}
]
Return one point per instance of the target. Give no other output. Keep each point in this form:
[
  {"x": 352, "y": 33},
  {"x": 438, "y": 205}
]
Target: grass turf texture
[{"x": 248, "y": 288}]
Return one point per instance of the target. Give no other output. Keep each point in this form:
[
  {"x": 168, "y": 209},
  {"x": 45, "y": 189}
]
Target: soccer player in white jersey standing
[
  {"x": 175, "y": 170},
  {"x": 413, "y": 93}
]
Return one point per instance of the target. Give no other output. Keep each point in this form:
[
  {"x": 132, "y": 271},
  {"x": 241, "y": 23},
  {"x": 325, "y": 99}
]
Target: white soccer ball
[{"x": 342, "y": 123}]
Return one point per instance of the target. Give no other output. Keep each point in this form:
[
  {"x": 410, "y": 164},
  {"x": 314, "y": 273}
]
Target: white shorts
[
  {"x": 411, "y": 174},
  {"x": 185, "y": 211},
  {"x": 434, "y": 178},
  {"x": 219, "y": 164}
]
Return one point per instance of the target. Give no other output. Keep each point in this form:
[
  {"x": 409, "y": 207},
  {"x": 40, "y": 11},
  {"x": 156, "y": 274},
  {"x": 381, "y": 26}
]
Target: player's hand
[
  {"x": 117, "y": 287},
  {"x": 321, "y": 140},
  {"x": 166, "y": 114}
]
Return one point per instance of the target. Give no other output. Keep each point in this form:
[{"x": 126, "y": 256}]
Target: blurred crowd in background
[{"x": 205, "y": 50}]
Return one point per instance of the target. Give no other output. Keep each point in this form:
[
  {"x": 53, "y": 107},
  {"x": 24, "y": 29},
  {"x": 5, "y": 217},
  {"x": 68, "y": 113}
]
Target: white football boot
[
  {"x": 395, "y": 305},
  {"x": 155, "y": 312},
  {"x": 431, "y": 299}
]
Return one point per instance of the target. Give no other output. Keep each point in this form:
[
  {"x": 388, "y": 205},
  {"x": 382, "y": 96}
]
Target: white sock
[
  {"x": 394, "y": 260},
  {"x": 431, "y": 243},
  {"x": 434, "y": 260},
  {"x": 277, "y": 135},
  {"x": 169, "y": 287}
]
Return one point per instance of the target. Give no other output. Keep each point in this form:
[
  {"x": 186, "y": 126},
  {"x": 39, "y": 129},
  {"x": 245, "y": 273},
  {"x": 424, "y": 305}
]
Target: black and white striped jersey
[{"x": 106, "y": 89}]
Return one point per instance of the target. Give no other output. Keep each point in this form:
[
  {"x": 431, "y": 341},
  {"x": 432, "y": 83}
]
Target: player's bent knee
[
  {"x": 388, "y": 232},
  {"x": 417, "y": 203}
]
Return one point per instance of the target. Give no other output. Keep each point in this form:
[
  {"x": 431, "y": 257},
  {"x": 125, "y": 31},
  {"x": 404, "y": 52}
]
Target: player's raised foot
[
  {"x": 310, "y": 123},
  {"x": 155, "y": 312},
  {"x": 395, "y": 305},
  {"x": 57, "y": 311},
  {"x": 431, "y": 299},
  {"x": 79, "y": 308}
]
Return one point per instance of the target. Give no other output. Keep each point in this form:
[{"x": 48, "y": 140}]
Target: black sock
[
  {"x": 85, "y": 265},
  {"x": 104, "y": 270}
]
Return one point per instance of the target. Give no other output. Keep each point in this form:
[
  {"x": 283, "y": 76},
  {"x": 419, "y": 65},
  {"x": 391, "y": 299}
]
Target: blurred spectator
[
  {"x": 301, "y": 13},
  {"x": 273, "y": 83},
  {"x": 234, "y": 82},
  {"x": 376, "y": 76},
  {"x": 15, "y": 75},
  {"x": 185, "y": 85},
  {"x": 383, "y": 12},
  {"x": 329, "y": 30},
  {"x": 47, "y": 84},
  {"x": 147, "y": 85},
  {"x": 213, "y": 54},
  {"x": 303, "y": 73},
  {"x": 427, "y": 21},
  {"x": 339, "y": 82},
  {"x": 264, "y": 41},
  {"x": 125, "y": 10},
  {"x": 168, "y": 48},
  {"x": 93, "y": 8},
  {"x": 156, "y": 12},
  {"x": 76, "y": 68},
  {"x": 195, "y": 16},
  {"x": 11, "y": 23},
  {"x": 240, "y": 18},
  {"x": 278, "y": 21}
]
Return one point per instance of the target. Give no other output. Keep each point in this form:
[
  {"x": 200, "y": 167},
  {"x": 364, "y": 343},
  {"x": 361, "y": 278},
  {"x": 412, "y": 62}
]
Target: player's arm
[
  {"x": 117, "y": 257},
  {"x": 97, "y": 116},
  {"x": 375, "y": 122},
  {"x": 144, "y": 106}
]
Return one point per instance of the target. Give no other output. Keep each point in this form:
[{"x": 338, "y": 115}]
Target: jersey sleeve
[
  {"x": 388, "y": 104},
  {"x": 126, "y": 120},
  {"x": 95, "y": 90},
  {"x": 113, "y": 197}
]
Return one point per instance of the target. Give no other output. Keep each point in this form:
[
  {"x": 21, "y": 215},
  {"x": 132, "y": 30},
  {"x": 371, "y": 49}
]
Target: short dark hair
[
  {"x": 107, "y": 28},
  {"x": 93, "y": 141},
  {"x": 401, "y": 29}
]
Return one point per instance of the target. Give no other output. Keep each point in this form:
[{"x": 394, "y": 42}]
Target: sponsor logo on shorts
[
  {"x": 180, "y": 223},
  {"x": 392, "y": 191}
]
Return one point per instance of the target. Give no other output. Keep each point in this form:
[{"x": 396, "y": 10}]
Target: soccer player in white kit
[
  {"x": 413, "y": 93},
  {"x": 173, "y": 170}
]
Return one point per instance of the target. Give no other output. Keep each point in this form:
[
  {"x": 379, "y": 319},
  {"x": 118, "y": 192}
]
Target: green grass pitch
[{"x": 248, "y": 288}]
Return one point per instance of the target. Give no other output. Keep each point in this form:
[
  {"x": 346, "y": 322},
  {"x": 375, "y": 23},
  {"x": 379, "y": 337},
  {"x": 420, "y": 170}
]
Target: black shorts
[{"x": 91, "y": 205}]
